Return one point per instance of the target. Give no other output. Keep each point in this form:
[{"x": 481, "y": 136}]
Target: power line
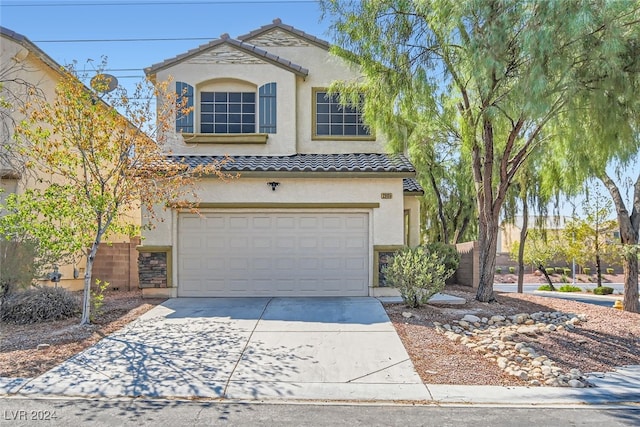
[
  {"x": 160, "y": 3},
  {"x": 123, "y": 40}
]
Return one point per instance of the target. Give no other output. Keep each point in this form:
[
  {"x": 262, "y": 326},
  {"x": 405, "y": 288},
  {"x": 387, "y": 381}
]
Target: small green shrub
[
  {"x": 586, "y": 270},
  {"x": 546, "y": 287},
  {"x": 499, "y": 270},
  {"x": 610, "y": 270},
  {"x": 512, "y": 270},
  {"x": 418, "y": 274},
  {"x": 39, "y": 304},
  {"x": 564, "y": 278},
  {"x": 447, "y": 253},
  {"x": 550, "y": 270},
  {"x": 566, "y": 271},
  {"x": 603, "y": 290},
  {"x": 569, "y": 288},
  {"x": 97, "y": 298}
]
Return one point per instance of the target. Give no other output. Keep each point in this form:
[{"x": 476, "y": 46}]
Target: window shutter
[
  {"x": 184, "y": 122},
  {"x": 267, "y": 108}
]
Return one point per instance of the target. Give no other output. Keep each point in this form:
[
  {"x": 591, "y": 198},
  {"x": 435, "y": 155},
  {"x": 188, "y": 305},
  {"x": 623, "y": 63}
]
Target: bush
[
  {"x": 564, "y": 278},
  {"x": 512, "y": 270},
  {"x": 603, "y": 290},
  {"x": 418, "y": 274},
  {"x": 447, "y": 253},
  {"x": 610, "y": 271},
  {"x": 498, "y": 270},
  {"x": 39, "y": 304},
  {"x": 546, "y": 287},
  {"x": 566, "y": 271},
  {"x": 569, "y": 288},
  {"x": 550, "y": 270},
  {"x": 586, "y": 270}
]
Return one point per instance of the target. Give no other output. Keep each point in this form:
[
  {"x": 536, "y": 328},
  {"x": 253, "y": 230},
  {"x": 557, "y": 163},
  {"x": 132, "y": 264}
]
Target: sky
[{"x": 81, "y": 30}]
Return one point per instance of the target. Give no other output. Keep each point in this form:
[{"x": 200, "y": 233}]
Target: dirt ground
[{"x": 610, "y": 338}]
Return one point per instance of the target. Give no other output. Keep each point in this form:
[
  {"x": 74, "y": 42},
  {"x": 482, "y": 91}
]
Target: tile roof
[
  {"x": 411, "y": 185},
  {"x": 277, "y": 23},
  {"x": 245, "y": 47},
  {"x": 30, "y": 46},
  {"x": 386, "y": 163}
]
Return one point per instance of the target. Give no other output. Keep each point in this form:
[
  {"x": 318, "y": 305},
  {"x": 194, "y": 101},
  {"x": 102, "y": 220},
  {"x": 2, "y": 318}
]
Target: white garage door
[{"x": 273, "y": 254}]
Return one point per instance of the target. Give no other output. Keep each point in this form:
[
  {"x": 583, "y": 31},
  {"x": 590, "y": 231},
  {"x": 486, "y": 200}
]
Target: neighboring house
[
  {"x": 510, "y": 230},
  {"x": 318, "y": 205},
  {"x": 23, "y": 64}
]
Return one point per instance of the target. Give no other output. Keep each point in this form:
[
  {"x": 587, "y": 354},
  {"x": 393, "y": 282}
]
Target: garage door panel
[{"x": 273, "y": 254}]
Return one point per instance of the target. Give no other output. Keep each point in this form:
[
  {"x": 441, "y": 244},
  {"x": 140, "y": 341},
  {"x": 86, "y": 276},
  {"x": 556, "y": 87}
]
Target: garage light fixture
[{"x": 273, "y": 185}]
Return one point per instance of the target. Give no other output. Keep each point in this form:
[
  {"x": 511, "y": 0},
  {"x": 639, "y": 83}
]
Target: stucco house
[
  {"x": 25, "y": 67},
  {"x": 318, "y": 205}
]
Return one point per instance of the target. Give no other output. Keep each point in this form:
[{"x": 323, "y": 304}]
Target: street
[
  {"x": 110, "y": 412},
  {"x": 604, "y": 301}
]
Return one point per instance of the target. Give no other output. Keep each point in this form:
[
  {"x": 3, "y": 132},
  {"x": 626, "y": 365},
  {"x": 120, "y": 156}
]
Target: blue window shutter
[
  {"x": 267, "y": 108},
  {"x": 184, "y": 122}
]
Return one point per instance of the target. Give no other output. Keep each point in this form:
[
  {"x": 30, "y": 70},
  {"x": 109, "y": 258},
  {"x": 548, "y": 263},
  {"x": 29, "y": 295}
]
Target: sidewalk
[{"x": 619, "y": 387}]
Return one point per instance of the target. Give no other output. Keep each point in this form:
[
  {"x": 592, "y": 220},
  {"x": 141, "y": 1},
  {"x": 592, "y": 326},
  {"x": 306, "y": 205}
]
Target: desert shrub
[
  {"x": 97, "y": 298},
  {"x": 39, "y": 304},
  {"x": 603, "y": 290},
  {"x": 566, "y": 271},
  {"x": 447, "y": 253},
  {"x": 586, "y": 270},
  {"x": 569, "y": 288},
  {"x": 550, "y": 270},
  {"x": 564, "y": 278},
  {"x": 546, "y": 287},
  {"x": 512, "y": 270},
  {"x": 418, "y": 274},
  {"x": 610, "y": 270},
  {"x": 499, "y": 270}
]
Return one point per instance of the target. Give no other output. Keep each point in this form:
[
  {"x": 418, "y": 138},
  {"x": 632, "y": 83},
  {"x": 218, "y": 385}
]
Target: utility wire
[
  {"x": 161, "y": 3},
  {"x": 123, "y": 40}
]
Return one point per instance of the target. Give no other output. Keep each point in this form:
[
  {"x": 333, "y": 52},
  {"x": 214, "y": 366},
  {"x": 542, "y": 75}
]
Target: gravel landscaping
[{"x": 522, "y": 339}]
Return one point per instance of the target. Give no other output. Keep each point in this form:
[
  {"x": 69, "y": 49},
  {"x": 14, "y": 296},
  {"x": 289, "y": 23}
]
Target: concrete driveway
[{"x": 245, "y": 348}]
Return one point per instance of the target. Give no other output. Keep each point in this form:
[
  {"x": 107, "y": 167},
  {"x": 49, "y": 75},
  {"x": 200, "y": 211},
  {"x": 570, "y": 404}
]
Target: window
[
  {"x": 335, "y": 120},
  {"x": 227, "y": 112}
]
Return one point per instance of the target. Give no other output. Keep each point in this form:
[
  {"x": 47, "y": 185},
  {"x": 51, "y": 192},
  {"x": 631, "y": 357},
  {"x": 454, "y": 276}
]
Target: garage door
[{"x": 273, "y": 254}]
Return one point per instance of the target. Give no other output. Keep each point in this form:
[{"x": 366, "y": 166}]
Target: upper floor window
[
  {"x": 232, "y": 112},
  {"x": 227, "y": 112},
  {"x": 332, "y": 119}
]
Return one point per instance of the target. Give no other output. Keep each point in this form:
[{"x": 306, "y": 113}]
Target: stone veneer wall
[{"x": 152, "y": 268}]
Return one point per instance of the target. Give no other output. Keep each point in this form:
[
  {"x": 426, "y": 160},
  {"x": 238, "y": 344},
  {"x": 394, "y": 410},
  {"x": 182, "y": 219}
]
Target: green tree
[
  {"x": 95, "y": 153},
  {"x": 495, "y": 72},
  {"x": 540, "y": 248},
  {"x": 589, "y": 239}
]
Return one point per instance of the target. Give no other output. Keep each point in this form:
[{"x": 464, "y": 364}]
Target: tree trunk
[
  {"x": 488, "y": 239},
  {"x": 630, "y": 263},
  {"x": 86, "y": 297},
  {"x": 629, "y": 237},
  {"x": 523, "y": 238},
  {"x": 546, "y": 276},
  {"x": 599, "y": 270}
]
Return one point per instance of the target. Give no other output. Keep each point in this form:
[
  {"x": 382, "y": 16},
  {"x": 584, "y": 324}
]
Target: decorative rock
[
  {"x": 43, "y": 346},
  {"x": 407, "y": 314},
  {"x": 471, "y": 318},
  {"x": 507, "y": 343}
]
